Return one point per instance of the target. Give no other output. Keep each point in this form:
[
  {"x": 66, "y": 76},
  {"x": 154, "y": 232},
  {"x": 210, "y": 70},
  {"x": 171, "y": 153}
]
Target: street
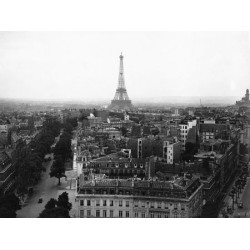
[
  {"x": 245, "y": 211},
  {"x": 46, "y": 189}
]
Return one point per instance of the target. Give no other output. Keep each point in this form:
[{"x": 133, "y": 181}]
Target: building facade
[
  {"x": 138, "y": 199},
  {"x": 171, "y": 151},
  {"x": 184, "y": 130},
  {"x": 7, "y": 173}
]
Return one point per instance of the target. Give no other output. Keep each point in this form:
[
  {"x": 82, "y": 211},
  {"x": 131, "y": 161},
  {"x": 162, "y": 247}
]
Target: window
[
  {"x": 104, "y": 213},
  {"x": 152, "y": 204},
  {"x": 88, "y": 213},
  {"x": 120, "y": 214},
  {"x": 159, "y": 204},
  {"x": 120, "y": 203},
  {"x": 159, "y": 215},
  {"x": 152, "y": 215},
  {"x": 175, "y": 206},
  {"x": 136, "y": 203},
  {"x": 127, "y": 203},
  {"x": 143, "y": 215},
  {"x": 111, "y": 213},
  {"x": 88, "y": 202},
  {"x": 97, "y": 213},
  {"x": 127, "y": 214},
  {"x": 135, "y": 165},
  {"x": 136, "y": 214},
  {"x": 166, "y": 215},
  {"x": 111, "y": 203},
  {"x": 182, "y": 206},
  {"x": 104, "y": 203},
  {"x": 81, "y": 213},
  {"x": 81, "y": 202},
  {"x": 97, "y": 202},
  {"x": 143, "y": 204},
  {"x": 166, "y": 205},
  {"x": 175, "y": 215}
]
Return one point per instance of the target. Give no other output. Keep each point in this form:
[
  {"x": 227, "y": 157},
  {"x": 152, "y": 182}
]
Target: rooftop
[
  {"x": 181, "y": 183},
  {"x": 211, "y": 154}
]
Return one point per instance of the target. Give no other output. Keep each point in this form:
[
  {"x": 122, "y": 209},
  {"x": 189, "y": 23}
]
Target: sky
[{"x": 83, "y": 66}]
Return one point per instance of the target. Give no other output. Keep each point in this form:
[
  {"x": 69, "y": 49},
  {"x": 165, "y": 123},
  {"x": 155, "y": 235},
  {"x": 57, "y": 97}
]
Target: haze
[{"x": 84, "y": 65}]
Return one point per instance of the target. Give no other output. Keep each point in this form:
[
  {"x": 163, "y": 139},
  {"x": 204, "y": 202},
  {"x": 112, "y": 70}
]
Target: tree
[
  {"x": 63, "y": 201},
  {"x": 57, "y": 169},
  {"x": 5, "y": 212},
  {"x": 58, "y": 212},
  {"x": 11, "y": 201},
  {"x": 52, "y": 203},
  {"x": 9, "y": 204},
  {"x": 29, "y": 168},
  {"x": 57, "y": 208},
  {"x": 63, "y": 147}
]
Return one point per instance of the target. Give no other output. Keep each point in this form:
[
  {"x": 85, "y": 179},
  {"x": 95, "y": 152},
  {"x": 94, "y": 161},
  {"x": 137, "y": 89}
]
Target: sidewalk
[
  {"x": 234, "y": 212},
  {"x": 243, "y": 212}
]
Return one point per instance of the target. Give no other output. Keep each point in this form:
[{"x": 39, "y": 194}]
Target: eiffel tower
[{"x": 121, "y": 101}]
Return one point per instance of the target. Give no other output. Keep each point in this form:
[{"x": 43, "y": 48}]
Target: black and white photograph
[
  {"x": 159, "y": 130},
  {"x": 130, "y": 127}
]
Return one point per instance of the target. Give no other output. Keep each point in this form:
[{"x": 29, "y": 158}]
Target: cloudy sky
[{"x": 84, "y": 65}]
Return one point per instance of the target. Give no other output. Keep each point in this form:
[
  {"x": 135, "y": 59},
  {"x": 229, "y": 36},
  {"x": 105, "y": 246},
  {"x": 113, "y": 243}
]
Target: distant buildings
[
  {"x": 245, "y": 100},
  {"x": 214, "y": 131}
]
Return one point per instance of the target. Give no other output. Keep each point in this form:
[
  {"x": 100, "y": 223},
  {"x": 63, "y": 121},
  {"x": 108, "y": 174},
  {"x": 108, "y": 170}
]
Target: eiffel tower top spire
[{"x": 121, "y": 80}]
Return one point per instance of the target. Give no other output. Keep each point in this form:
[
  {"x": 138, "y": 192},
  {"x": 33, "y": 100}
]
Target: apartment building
[
  {"x": 114, "y": 198},
  {"x": 184, "y": 129},
  {"x": 171, "y": 151}
]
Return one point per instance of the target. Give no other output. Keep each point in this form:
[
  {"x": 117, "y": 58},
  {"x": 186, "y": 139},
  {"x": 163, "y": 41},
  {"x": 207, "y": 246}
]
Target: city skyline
[{"x": 71, "y": 66}]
